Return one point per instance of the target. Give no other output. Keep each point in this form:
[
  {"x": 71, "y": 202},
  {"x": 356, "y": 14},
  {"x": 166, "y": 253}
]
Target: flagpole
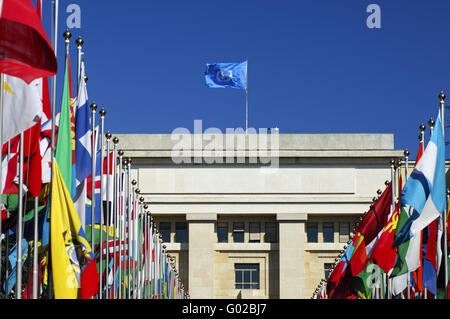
[
  {"x": 102, "y": 128},
  {"x": 93, "y": 163},
  {"x": 114, "y": 210},
  {"x": 108, "y": 211},
  {"x": 19, "y": 228},
  {"x": 444, "y": 215},
  {"x": 35, "y": 249},
  {"x": 120, "y": 202},
  {"x": 246, "y": 99},
  {"x": 55, "y": 48},
  {"x": 79, "y": 42}
]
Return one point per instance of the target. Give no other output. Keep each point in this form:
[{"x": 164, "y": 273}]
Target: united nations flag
[{"x": 227, "y": 75}]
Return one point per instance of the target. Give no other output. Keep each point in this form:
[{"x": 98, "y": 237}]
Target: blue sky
[{"x": 314, "y": 66}]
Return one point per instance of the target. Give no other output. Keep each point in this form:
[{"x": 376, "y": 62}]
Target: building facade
[{"x": 257, "y": 222}]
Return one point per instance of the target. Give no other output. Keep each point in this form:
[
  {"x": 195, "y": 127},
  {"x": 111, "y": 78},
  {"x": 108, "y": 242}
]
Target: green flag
[
  {"x": 64, "y": 140},
  {"x": 401, "y": 267}
]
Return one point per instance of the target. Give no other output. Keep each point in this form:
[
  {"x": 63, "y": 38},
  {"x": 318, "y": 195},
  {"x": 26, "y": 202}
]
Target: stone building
[{"x": 258, "y": 222}]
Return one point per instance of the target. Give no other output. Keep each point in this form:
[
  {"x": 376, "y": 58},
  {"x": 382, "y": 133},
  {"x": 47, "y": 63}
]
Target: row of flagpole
[
  {"x": 384, "y": 287},
  {"x": 132, "y": 261}
]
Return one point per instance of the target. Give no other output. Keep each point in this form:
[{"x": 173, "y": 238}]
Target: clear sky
[{"x": 314, "y": 66}]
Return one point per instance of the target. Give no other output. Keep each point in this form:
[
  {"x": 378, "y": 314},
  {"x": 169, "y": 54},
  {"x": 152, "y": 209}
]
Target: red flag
[
  {"x": 25, "y": 50},
  {"x": 377, "y": 217},
  {"x": 359, "y": 258},
  {"x": 32, "y": 167},
  {"x": 383, "y": 254},
  {"x": 89, "y": 280}
]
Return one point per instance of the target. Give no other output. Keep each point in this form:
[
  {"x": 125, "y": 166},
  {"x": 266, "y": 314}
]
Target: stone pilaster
[
  {"x": 201, "y": 255},
  {"x": 292, "y": 255}
]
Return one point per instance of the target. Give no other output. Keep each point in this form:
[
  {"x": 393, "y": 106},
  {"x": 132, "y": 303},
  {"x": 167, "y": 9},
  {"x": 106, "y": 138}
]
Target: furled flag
[
  {"x": 22, "y": 106},
  {"x": 423, "y": 196},
  {"x": 13, "y": 262},
  {"x": 25, "y": 50},
  {"x": 227, "y": 75},
  {"x": 74, "y": 269}
]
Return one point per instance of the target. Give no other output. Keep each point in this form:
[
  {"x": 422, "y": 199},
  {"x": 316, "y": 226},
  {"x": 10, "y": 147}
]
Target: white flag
[{"x": 22, "y": 106}]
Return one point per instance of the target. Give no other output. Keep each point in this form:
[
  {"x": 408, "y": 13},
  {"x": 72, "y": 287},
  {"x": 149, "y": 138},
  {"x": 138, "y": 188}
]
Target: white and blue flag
[
  {"x": 425, "y": 190},
  {"x": 227, "y": 75},
  {"x": 83, "y": 134}
]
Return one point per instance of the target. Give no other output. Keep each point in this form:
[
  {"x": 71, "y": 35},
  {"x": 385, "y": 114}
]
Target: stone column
[
  {"x": 201, "y": 255},
  {"x": 292, "y": 255}
]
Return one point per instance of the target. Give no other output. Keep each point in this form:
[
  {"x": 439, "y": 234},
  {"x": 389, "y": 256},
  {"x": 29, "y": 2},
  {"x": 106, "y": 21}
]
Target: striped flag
[{"x": 424, "y": 196}]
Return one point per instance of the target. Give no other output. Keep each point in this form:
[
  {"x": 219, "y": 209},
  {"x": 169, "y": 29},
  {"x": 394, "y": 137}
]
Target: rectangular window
[
  {"x": 312, "y": 230},
  {"x": 164, "y": 230},
  {"x": 344, "y": 232},
  {"x": 327, "y": 270},
  {"x": 181, "y": 232},
  {"x": 328, "y": 232},
  {"x": 255, "y": 232},
  {"x": 238, "y": 232},
  {"x": 271, "y": 233},
  {"x": 222, "y": 232},
  {"x": 246, "y": 276}
]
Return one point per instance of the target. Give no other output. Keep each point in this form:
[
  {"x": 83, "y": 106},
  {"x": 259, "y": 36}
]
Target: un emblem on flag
[{"x": 224, "y": 75}]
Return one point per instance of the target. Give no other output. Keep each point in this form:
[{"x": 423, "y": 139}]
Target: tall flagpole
[
  {"x": 114, "y": 212},
  {"x": 444, "y": 215},
  {"x": 102, "y": 128},
  {"x": 19, "y": 227},
  {"x": 246, "y": 99},
  {"x": 120, "y": 205},
  {"x": 108, "y": 211},
  {"x": 93, "y": 163}
]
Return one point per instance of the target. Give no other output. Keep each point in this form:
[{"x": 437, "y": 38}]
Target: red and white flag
[{"x": 25, "y": 50}]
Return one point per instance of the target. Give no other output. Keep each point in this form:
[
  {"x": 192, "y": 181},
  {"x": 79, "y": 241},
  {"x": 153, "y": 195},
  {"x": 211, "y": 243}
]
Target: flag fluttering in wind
[
  {"x": 25, "y": 50},
  {"x": 423, "y": 197},
  {"x": 227, "y": 75}
]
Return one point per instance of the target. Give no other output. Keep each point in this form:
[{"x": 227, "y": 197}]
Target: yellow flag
[{"x": 65, "y": 229}]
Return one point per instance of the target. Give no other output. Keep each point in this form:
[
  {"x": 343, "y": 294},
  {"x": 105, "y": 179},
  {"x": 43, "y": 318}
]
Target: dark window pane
[
  {"x": 312, "y": 232},
  {"x": 181, "y": 232},
  {"x": 238, "y": 237},
  {"x": 164, "y": 229},
  {"x": 238, "y": 232},
  {"x": 222, "y": 233},
  {"x": 255, "y": 276},
  {"x": 328, "y": 232},
  {"x": 271, "y": 233},
  {"x": 344, "y": 232},
  {"x": 247, "y": 276},
  {"x": 255, "y": 232}
]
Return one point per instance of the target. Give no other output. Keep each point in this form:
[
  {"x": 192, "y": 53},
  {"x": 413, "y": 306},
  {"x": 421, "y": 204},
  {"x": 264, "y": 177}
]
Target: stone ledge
[
  {"x": 292, "y": 217},
  {"x": 246, "y": 246},
  {"x": 193, "y": 217}
]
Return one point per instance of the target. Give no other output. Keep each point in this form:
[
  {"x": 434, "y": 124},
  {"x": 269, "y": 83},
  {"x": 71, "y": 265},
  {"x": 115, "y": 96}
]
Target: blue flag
[
  {"x": 83, "y": 133},
  {"x": 227, "y": 75}
]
